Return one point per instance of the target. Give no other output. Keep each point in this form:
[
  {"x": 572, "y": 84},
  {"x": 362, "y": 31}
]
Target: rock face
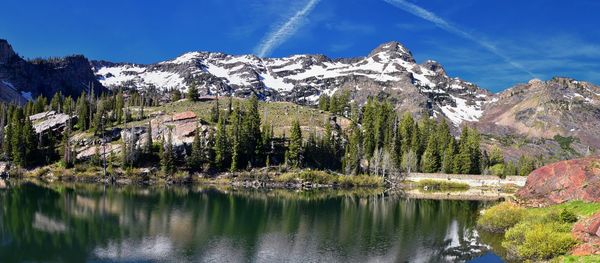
[
  {"x": 559, "y": 182},
  {"x": 21, "y": 79},
  {"x": 588, "y": 233},
  {"x": 50, "y": 121}
]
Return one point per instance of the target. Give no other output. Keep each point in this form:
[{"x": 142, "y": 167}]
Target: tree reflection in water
[{"x": 75, "y": 223}]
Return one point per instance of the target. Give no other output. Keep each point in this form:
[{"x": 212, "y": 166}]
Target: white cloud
[
  {"x": 285, "y": 31},
  {"x": 443, "y": 24}
]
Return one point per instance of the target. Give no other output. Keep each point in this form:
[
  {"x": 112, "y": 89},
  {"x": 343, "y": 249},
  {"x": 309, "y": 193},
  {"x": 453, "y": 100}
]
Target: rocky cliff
[{"x": 22, "y": 80}]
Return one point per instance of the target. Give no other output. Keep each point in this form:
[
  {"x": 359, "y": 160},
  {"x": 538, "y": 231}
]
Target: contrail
[
  {"x": 443, "y": 24},
  {"x": 276, "y": 37}
]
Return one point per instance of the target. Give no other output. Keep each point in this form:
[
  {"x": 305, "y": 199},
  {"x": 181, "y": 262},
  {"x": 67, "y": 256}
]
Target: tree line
[{"x": 379, "y": 141}]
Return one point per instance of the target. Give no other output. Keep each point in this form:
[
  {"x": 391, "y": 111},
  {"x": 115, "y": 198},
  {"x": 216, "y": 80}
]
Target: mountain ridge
[{"x": 524, "y": 119}]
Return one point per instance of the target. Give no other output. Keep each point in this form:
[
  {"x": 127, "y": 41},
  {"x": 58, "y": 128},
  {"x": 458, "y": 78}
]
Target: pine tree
[
  {"x": 18, "y": 148},
  {"x": 235, "y": 136},
  {"x": 175, "y": 95},
  {"x": 66, "y": 151},
  {"x": 526, "y": 165},
  {"x": 192, "y": 93},
  {"x": 252, "y": 133},
  {"x": 83, "y": 112},
  {"x": 295, "y": 146},
  {"x": 119, "y": 105},
  {"x": 215, "y": 111},
  {"x": 30, "y": 142},
  {"x": 406, "y": 131},
  {"x": 8, "y": 134},
  {"x": 56, "y": 102},
  {"x": 148, "y": 145},
  {"x": 221, "y": 144},
  {"x": 324, "y": 102},
  {"x": 448, "y": 158},
  {"x": 354, "y": 151},
  {"x": 196, "y": 157},
  {"x": 431, "y": 161},
  {"x": 168, "y": 155}
]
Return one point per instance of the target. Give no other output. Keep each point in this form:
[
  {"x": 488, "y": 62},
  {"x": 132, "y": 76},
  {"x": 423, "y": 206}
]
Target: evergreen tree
[
  {"x": 511, "y": 169},
  {"x": 251, "y": 132},
  {"x": 83, "y": 112},
  {"x": 354, "y": 151},
  {"x": 148, "y": 145},
  {"x": 221, "y": 144},
  {"x": 448, "y": 159},
  {"x": 119, "y": 105},
  {"x": 295, "y": 146},
  {"x": 8, "y": 134},
  {"x": 66, "y": 151},
  {"x": 431, "y": 160},
  {"x": 192, "y": 93},
  {"x": 214, "y": 111},
  {"x": 406, "y": 131},
  {"x": 30, "y": 142},
  {"x": 526, "y": 165},
  {"x": 235, "y": 135},
  {"x": 324, "y": 102},
  {"x": 196, "y": 157},
  {"x": 56, "y": 102},
  {"x": 168, "y": 155},
  {"x": 175, "y": 95},
  {"x": 18, "y": 148}
]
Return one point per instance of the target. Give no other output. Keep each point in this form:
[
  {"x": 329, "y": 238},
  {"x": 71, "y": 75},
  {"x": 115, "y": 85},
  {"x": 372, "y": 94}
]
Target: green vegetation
[
  {"x": 441, "y": 185},
  {"x": 246, "y": 134},
  {"x": 536, "y": 233},
  {"x": 321, "y": 177},
  {"x": 501, "y": 217}
]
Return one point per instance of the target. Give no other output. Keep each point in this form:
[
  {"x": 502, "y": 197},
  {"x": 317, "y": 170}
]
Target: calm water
[{"x": 67, "y": 223}]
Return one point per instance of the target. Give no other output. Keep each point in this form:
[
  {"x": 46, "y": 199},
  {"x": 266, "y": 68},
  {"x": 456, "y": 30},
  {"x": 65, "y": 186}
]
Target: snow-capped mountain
[{"x": 389, "y": 70}]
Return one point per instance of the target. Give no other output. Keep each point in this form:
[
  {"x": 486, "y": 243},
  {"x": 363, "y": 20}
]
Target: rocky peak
[
  {"x": 6, "y": 52},
  {"x": 393, "y": 50},
  {"x": 434, "y": 66}
]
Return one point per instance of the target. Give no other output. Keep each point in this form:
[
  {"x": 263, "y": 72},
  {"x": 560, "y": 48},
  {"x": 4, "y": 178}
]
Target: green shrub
[
  {"x": 566, "y": 216},
  {"x": 538, "y": 241},
  {"x": 497, "y": 169},
  {"x": 321, "y": 177},
  {"x": 500, "y": 217},
  {"x": 438, "y": 185}
]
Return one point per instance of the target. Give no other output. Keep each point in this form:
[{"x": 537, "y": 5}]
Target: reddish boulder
[
  {"x": 563, "y": 181},
  {"x": 587, "y": 231}
]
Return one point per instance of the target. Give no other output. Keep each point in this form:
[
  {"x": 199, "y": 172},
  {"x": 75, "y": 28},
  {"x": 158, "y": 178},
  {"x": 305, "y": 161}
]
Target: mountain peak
[
  {"x": 393, "y": 49},
  {"x": 6, "y": 51}
]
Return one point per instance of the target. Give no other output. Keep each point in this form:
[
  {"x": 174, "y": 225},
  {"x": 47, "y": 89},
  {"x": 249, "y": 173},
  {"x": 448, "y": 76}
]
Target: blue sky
[{"x": 494, "y": 44}]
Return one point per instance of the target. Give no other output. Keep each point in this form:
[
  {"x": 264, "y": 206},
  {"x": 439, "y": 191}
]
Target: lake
[{"x": 95, "y": 223}]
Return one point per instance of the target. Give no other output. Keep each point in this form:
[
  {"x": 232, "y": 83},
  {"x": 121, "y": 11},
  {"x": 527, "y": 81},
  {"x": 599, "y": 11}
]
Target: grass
[
  {"x": 280, "y": 114},
  {"x": 580, "y": 259},
  {"x": 321, "y": 177},
  {"x": 537, "y": 233},
  {"x": 440, "y": 185}
]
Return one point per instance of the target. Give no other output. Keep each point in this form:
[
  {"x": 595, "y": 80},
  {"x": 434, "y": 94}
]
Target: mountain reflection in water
[{"x": 75, "y": 223}]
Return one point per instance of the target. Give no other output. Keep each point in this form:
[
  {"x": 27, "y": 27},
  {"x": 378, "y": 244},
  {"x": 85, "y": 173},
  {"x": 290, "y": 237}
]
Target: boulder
[
  {"x": 50, "y": 121},
  {"x": 563, "y": 181},
  {"x": 587, "y": 231}
]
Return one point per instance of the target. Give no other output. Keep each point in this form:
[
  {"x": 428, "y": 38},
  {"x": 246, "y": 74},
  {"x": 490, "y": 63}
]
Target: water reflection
[{"x": 92, "y": 223}]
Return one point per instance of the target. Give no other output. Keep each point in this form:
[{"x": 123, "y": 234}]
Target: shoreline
[{"x": 480, "y": 187}]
